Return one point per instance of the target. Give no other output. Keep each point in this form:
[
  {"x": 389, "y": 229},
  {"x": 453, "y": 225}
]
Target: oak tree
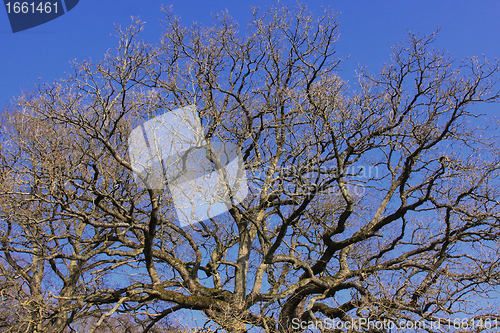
[{"x": 376, "y": 200}]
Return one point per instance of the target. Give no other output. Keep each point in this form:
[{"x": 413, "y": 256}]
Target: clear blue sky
[{"x": 368, "y": 30}]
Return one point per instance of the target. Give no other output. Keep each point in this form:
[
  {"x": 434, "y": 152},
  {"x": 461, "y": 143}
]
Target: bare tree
[{"x": 376, "y": 203}]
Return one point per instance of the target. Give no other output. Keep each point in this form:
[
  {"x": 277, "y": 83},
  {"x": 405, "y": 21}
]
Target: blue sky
[{"x": 368, "y": 30}]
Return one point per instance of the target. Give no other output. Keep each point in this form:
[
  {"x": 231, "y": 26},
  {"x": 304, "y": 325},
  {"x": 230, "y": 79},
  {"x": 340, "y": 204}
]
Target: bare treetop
[{"x": 374, "y": 203}]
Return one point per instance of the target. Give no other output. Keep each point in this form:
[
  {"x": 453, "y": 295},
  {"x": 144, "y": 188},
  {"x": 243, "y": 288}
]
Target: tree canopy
[{"x": 375, "y": 199}]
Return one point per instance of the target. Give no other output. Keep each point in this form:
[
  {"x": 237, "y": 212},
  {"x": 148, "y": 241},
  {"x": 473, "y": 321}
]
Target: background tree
[{"x": 378, "y": 201}]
